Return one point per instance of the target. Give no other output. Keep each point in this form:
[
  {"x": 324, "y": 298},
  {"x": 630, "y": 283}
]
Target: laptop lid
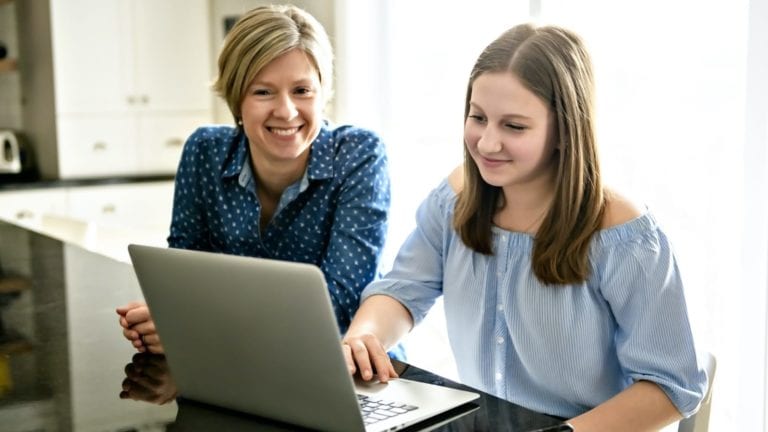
[{"x": 260, "y": 336}]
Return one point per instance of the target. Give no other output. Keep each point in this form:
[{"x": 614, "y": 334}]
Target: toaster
[{"x": 15, "y": 156}]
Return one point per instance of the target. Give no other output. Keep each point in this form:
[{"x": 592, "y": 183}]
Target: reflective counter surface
[{"x": 64, "y": 364}]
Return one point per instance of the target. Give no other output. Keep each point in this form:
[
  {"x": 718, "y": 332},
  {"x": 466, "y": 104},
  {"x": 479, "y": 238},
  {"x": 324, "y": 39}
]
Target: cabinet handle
[
  {"x": 144, "y": 99},
  {"x": 131, "y": 99},
  {"x": 99, "y": 146},
  {"x": 108, "y": 209},
  {"x": 24, "y": 214},
  {"x": 174, "y": 142}
]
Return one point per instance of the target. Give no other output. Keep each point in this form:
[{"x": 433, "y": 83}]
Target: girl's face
[
  {"x": 508, "y": 132},
  {"x": 282, "y": 109}
]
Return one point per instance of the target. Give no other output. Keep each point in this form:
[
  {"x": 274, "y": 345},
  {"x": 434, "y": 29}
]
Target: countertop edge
[{"x": 90, "y": 181}]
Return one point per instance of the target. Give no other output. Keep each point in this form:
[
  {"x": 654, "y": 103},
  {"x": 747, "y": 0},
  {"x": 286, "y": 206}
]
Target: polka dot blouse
[{"x": 334, "y": 217}]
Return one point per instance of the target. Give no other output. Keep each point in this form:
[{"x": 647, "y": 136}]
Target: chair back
[{"x": 699, "y": 422}]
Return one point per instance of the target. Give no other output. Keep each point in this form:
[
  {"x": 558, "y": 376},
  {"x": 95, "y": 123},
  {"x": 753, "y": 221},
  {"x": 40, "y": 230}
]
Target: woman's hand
[
  {"x": 366, "y": 353},
  {"x": 139, "y": 328}
]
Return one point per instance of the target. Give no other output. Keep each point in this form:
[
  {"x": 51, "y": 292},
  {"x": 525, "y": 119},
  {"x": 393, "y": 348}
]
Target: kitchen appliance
[{"x": 16, "y": 159}]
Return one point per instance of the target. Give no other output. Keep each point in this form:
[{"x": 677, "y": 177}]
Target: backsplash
[{"x": 10, "y": 82}]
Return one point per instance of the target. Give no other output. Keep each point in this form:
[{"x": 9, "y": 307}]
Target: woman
[
  {"x": 560, "y": 295},
  {"x": 283, "y": 183}
]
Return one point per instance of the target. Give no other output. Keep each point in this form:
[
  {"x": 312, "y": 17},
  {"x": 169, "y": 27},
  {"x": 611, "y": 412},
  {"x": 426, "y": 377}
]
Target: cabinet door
[
  {"x": 162, "y": 138},
  {"x": 139, "y": 205},
  {"x": 91, "y": 55},
  {"x": 96, "y": 145},
  {"x": 172, "y": 54},
  {"x": 26, "y": 208}
]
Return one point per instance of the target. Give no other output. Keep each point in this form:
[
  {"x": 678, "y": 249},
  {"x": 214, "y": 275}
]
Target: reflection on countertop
[{"x": 62, "y": 352}]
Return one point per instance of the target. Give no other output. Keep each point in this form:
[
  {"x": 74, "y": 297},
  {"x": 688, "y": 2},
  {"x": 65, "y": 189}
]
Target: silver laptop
[{"x": 259, "y": 336}]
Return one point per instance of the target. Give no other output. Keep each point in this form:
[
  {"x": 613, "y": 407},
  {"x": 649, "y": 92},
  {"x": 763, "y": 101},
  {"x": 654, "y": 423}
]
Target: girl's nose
[{"x": 489, "y": 142}]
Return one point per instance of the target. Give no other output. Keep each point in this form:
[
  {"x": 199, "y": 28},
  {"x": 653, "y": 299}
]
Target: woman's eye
[
  {"x": 303, "y": 90},
  {"x": 476, "y": 117},
  {"x": 516, "y": 127}
]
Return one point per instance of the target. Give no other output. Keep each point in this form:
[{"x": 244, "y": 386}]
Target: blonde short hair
[{"x": 262, "y": 35}]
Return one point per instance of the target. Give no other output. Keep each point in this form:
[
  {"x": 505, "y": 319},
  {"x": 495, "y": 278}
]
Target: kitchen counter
[
  {"x": 9, "y": 183},
  {"x": 64, "y": 364}
]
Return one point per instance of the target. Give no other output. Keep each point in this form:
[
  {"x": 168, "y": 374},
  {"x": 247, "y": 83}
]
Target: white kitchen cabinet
[
  {"x": 96, "y": 145},
  {"x": 108, "y": 145},
  {"x": 101, "y": 218},
  {"x": 133, "y": 205},
  {"x": 26, "y": 208},
  {"x": 129, "y": 82},
  {"x": 128, "y": 55}
]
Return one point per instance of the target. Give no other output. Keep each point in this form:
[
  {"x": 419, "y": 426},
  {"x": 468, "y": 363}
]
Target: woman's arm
[
  {"x": 643, "y": 406},
  {"x": 189, "y": 228},
  {"x": 357, "y": 235},
  {"x": 378, "y": 325}
]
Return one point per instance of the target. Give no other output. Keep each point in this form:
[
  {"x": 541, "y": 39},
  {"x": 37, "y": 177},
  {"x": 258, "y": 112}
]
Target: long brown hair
[{"x": 553, "y": 63}]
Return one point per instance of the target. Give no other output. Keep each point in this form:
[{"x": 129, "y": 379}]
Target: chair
[{"x": 699, "y": 422}]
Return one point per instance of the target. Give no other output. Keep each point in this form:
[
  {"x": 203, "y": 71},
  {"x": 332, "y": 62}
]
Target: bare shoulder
[
  {"x": 456, "y": 178},
  {"x": 619, "y": 209}
]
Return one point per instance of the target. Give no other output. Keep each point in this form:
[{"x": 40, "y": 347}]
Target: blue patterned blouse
[
  {"x": 334, "y": 216},
  {"x": 560, "y": 350}
]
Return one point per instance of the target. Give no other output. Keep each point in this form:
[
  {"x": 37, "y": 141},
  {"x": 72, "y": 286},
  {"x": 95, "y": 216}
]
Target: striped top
[
  {"x": 335, "y": 216},
  {"x": 560, "y": 350}
]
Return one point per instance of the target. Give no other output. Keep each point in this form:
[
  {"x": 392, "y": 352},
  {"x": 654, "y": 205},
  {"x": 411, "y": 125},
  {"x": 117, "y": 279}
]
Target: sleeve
[
  {"x": 416, "y": 278},
  {"x": 189, "y": 229},
  {"x": 654, "y": 341},
  {"x": 359, "y": 224}
]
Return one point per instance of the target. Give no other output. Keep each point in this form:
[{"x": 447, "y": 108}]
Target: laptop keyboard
[{"x": 375, "y": 410}]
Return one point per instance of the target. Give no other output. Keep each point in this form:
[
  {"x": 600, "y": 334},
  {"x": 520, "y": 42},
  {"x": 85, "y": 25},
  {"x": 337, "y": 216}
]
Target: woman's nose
[{"x": 285, "y": 108}]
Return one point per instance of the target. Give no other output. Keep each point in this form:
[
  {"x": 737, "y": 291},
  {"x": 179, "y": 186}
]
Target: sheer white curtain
[
  {"x": 682, "y": 122},
  {"x": 674, "y": 106}
]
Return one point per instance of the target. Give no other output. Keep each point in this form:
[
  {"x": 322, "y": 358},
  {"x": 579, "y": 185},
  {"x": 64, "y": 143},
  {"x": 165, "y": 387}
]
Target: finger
[
  {"x": 348, "y": 358},
  {"x": 122, "y": 310},
  {"x": 145, "y": 328},
  {"x": 380, "y": 360},
  {"x": 123, "y": 322},
  {"x": 156, "y": 349},
  {"x": 384, "y": 368},
  {"x": 137, "y": 315},
  {"x": 151, "y": 339},
  {"x": 131, "y": 335},
  {"x": 361, "y": 356}
]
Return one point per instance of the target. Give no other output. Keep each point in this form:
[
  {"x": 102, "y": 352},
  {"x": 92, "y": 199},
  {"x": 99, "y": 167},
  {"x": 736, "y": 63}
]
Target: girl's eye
[
  {"x": 260, "y": 92},
  {"x": 515, "y": 126},
  {"x": 476, "y": 117}
]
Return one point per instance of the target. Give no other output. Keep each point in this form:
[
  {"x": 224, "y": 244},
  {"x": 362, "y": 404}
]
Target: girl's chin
[{"x": 493, "y": 180}]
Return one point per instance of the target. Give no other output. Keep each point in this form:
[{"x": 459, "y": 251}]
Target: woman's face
[
  {"x": 282, "y": 109},
  {"x": 508, "y": 132}
]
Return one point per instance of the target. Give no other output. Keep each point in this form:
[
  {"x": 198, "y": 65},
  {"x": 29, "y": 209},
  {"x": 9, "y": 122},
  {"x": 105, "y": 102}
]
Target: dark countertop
[
  {"x": 9, "y": 183},
  {"x": 64, "y": 364}
]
